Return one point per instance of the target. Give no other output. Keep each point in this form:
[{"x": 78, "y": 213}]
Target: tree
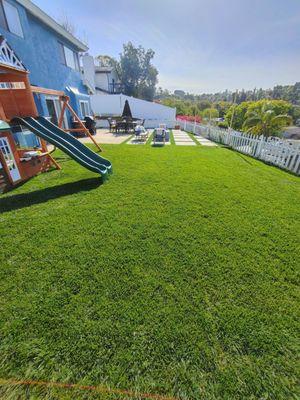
[
  {"x": 222, "y": 107},
  {"x": 278, "y": 106},
  {"x": 137, "y": 74},
  {"x": 181, "y": 108},
  {"x": 203, "y": 104},
  {"x": 193, "y": 110},
  {"x": 241, "y": 96},
  {"x": 106, "y": 61},
  {"x": 162, "y": 93},
  {"x": 235, "y": 116},
  {"x": 296, "y": 115},
  {"x": 210, "y": 113},
  {"x": 290, "y": 93},
  {"x": 264, "y": 121}
]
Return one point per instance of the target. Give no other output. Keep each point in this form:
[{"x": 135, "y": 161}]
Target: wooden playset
[
  {"x": 24, "y": 135},
  {"x": 18, "y": 163}
]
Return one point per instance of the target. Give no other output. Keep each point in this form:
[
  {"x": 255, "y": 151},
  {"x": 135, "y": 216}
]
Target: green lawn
[{"x": 177, "y": 276}]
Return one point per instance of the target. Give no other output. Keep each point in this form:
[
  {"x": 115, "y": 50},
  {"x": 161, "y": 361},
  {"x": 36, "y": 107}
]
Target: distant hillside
[{"x": 290, "y": 93}]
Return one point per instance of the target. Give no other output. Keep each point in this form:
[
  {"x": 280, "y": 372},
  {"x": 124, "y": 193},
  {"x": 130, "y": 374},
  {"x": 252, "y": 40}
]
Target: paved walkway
[
  {"x": 205, "y": 142},
  {"x": 181, "y": 138},
  {"x": 103, "y": 136}
]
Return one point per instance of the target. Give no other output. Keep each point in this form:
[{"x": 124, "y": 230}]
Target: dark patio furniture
[
  {"x": 76, "y": 125},
  {"x": 161, "y": 136},
  {"x": 125, "y": 125},
  {"x": 126, "y": 111},
  {"x": 141, "y": 133},
  {"x": 112, "y": 125},
  {"x": 120, "y": 126},
  {"x": 90, "y": 124}
]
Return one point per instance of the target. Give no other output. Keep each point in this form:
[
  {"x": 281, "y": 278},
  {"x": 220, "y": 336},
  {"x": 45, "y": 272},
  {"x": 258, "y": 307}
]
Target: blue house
[{"x": 50, "y": 53}]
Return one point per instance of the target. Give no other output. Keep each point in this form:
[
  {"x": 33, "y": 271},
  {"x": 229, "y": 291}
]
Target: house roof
[
  {"x": 51, "y": 23},
  {"x": 292, "y": 132}
]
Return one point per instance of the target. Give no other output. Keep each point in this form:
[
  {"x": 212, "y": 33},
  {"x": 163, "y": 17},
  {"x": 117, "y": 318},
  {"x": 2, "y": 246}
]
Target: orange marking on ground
[{"x": 100, "y": 389}]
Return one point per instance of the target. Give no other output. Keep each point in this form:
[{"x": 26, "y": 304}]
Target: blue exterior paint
[{"x": 40, "y": 53}]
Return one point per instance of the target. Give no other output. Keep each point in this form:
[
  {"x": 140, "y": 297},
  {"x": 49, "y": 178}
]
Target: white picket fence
[{"x": 281, "y": 153}]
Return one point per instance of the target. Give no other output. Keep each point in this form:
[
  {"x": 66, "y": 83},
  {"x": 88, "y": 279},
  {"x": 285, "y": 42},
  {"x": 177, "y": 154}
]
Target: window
[
  {"x": 3, "y": 22},
  {"x": 11, "y": 17},
  {"x": 62, "y": 53},
  {"x": 70, "y": 61},
  {"x": 68, "y": 57},
  {"x": 77, "y": 67},
  {"x": 54, "y": 109},
  {"x": 84, "y": 108},
  {"x": 9, "y": 159}
]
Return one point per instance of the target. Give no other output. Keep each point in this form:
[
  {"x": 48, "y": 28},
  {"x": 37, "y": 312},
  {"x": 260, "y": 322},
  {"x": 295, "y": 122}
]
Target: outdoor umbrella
[{"x": 126, "y": 111}]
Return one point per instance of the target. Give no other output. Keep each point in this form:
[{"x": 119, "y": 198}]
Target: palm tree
[{"x": 264, "y": 121}]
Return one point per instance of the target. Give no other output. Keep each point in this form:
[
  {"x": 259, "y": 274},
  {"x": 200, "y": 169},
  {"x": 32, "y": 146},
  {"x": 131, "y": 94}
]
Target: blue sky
[{"x": 200, "y": 45}]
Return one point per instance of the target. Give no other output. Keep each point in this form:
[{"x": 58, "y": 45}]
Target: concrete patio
[
  {"x": 181, "y": 138},
  {"x": 103, "y": 136}
]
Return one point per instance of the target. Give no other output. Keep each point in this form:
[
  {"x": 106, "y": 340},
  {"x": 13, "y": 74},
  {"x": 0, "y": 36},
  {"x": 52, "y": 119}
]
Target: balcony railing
[{"x": 116, "y": 88}]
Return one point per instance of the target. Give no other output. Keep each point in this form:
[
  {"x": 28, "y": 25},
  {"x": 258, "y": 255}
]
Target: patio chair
[
  {"x": 141, "y": 133},
  {"x": 112, "y": 125},
  {"x": 121, "y": 126},
  {"x": 162, "y": 126},
  {"x": 159, "y": 135}
]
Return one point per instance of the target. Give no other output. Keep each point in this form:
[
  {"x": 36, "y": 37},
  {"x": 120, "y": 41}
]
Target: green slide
[{"x": 68, "y": 144}]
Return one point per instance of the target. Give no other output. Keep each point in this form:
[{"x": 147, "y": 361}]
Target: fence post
[
  {"x": 209, "y": 128},
  {"x": 229, "y": 137},
  {"x": 259, "y": 147},
  {"x": 297, "y": 163}
]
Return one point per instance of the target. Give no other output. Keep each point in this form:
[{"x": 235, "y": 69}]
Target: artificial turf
[{"x": 177, "y": 276}]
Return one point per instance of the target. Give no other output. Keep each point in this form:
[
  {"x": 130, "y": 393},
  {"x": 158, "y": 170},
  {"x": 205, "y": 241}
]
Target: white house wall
[
  {"x": 89, "y": 70},
  {"x": 102, "y": 81},
  {"x": 153, "y": 113}
]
